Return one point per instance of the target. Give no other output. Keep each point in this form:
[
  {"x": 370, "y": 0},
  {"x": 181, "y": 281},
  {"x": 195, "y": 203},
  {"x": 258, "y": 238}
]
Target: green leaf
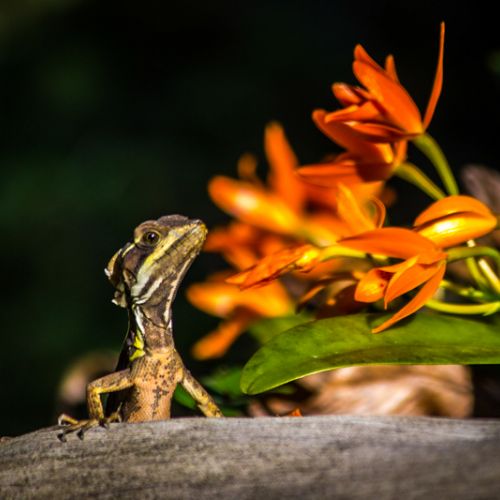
[
  {"x": 224, "y": 381},
  {"x": 182, "y": 397},
  {"x": 347, "y": 340}
]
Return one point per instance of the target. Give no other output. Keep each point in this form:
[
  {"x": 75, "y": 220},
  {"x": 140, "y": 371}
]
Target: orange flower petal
[
  {"x": 311, "y": 293},
  {"x": 454, "y": 220},
  {"x": 423, "y": 295},
  {"x": 361, "y": 55},
  {"x": 400, "y": 149},
  {"x": 346, "y": 137},
  {"x": 407, "y": 280},
  {"x": 272, "y": 266},
  {"x": 349, "y": 94},
  {"x": 282, "y": 162},
  {"x": 355, "y": 112},
  {"x": 379, "y": 132},
  {"x": 217, "y": 342},
  {"x": 371, "y": 286},
  {"x": 400, "y": 266},
  {"x": 391, "y": 95},
  {"x": 237, "y": 242},
  {"x": 379, "y": 212},
  {"x": 253, "y": 205},
  {"x": 451, "y": 205},
  {"x": 347, "y": 171},
  {"x": 438, "y": 82},
  {"x": 352, "y": 211},
  {"x": 247, "y": 169},
  {"x": 218, "y": 299},
  {"x": 221, "y": 299},
  {"x": 368, "y": 190},
  {"x": 458, "y": 228},
  {"x": 390, "y": 241},
  {"x": 431, "y": 256},
  {"x": 390, "y": 68}
]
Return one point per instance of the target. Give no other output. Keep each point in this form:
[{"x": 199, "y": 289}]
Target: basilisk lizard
[{"x": 146, "y": 275}]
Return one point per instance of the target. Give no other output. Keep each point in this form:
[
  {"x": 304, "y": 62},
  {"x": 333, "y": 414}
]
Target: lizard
[{"x": 146, "y": 275}]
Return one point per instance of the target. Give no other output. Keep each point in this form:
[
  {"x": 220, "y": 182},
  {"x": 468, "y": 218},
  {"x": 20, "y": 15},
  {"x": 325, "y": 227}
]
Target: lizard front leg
[
  {"x": 113, "y": 382},
  {"x": 204, "y": 401}
]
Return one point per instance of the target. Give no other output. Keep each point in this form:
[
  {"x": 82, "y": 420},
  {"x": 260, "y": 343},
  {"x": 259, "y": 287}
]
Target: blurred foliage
[
  {"x": 115, "y": 112},
  {"x": 224, "y": 385}
]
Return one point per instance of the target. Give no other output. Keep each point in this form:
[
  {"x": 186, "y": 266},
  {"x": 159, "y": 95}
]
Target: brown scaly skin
[{"x": 146, "y": 275}]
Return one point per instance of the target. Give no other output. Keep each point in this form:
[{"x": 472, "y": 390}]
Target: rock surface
[{"x": 315, "y": 457}]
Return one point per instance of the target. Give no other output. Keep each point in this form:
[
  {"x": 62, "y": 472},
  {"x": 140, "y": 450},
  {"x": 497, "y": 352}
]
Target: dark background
[{"x": 116, "y": 112}]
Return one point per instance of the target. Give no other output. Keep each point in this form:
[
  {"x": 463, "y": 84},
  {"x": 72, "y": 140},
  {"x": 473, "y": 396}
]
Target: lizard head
[{"x": 148, "y": 271}]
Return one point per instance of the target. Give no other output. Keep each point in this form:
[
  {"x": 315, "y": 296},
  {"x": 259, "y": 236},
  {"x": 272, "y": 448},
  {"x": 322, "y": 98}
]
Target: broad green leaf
[{"x": 347, "y": 340}]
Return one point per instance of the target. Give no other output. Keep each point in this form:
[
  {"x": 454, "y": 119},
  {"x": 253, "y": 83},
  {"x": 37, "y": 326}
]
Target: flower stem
[
  {"x": 476, "y": 274},
  {"x": 490, "y": 275},
  {"x": 481, "y": 271},
  {"x": 412, "y": 174},
  {"x": 431, "y": 149},
  {"x": 334, "y": 251},
  {"x": 482, "y": 267},
  {"x": 464, "y": 309},
  {"x": 468, "y": 292},
  {"x": 459, "y": 253}
]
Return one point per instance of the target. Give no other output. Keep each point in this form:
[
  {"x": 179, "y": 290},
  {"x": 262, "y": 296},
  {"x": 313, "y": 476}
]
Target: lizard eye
[{"x": 150, "y": 238}]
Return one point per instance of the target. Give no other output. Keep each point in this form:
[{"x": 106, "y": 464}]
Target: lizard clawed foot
[{"x": 71, "y": 424}]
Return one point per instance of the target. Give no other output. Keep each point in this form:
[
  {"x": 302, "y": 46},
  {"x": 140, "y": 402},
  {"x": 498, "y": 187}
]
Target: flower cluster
[{"x": 316, "y": 236}]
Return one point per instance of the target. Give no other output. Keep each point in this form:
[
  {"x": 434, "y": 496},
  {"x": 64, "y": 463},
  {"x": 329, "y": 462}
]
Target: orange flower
[
  {"x": 285, "y": 206},
  {"x": 242, "y": 244},
  {"x": 254, "y": 205},
  {"x": 298, "y": 194},
  {"x": 363, "y": 162},
  {"x": 277, "y": 208},
  {"x": 352, "y": 216},
  {"x": 288, "y": 206},
  {"x": 454, "y": 220},
  {"x": 282, "y": 164},
  {"x": 267, "y": 238},
  {"x": 270, "y": 219},
  {"x": 424, "y": 264},
  {"x": 238, "y": 308},
  {"x": 271, "y": 267},
  {"x": 384, "y": 111}
]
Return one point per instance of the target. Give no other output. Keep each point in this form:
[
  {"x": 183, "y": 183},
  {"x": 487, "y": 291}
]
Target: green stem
[
  {"x": 465, "y": 309},
  {"x": 335, "y": 251},
  {"x": 484, "y": 269},
  {"x": 481, "y": 271},
  {"x": 412, "y": 174},
  {"x": 476, "y": 274},
  {"x": 459, "y": 253},
  {"x": 467, "y": 292},
  {"x": 431, "y": 149},
  {"x": 490, "y": 275}
]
